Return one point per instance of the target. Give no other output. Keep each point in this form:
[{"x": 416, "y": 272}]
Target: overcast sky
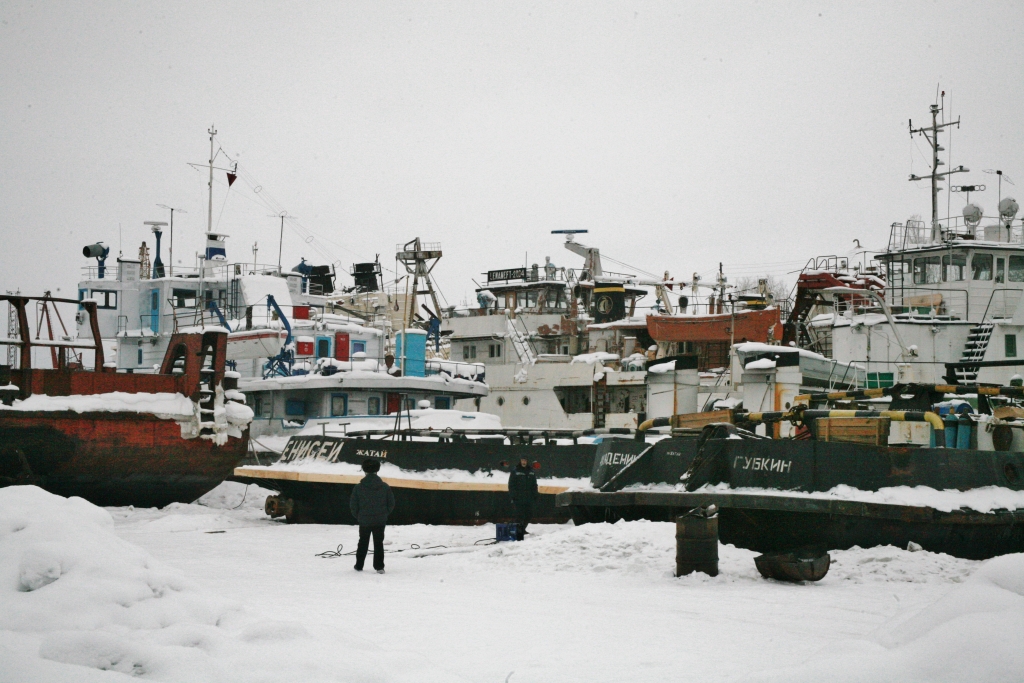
[{"x": 679, "y": 134}]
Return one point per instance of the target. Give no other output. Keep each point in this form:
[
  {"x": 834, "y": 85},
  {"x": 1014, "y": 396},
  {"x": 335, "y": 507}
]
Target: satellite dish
[
  {"x": 1008, "y": 208},
  {"x": 972, "y": 215}
]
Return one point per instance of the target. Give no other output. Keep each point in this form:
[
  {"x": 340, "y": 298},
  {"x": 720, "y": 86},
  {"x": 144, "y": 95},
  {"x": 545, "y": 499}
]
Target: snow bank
[
  {"x": 164, "y": 405},
  {"x": 973, "y": 633},
  {"x": 79, "y": 603}
]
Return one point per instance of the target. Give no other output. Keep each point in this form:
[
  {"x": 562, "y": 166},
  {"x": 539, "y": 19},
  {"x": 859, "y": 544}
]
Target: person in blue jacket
[
  {"x": 522, "y": 488},
  {"x": 371, "y": 503}
]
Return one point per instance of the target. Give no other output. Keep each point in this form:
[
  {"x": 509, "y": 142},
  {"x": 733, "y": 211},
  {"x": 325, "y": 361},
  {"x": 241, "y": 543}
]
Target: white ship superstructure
[{"x": 941, "y": 304}]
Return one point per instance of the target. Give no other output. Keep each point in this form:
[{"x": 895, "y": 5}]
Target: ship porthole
[
  {"x": 526, "y": 400},
  {"x": 1010, "y": 470},
  {"x": 501, "y": 401}
]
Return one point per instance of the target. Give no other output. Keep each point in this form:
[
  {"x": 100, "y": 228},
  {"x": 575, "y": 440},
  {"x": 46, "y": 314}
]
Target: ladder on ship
[
  {"x": 974, "y": 352},
  {"x": 521, "y": 341}
]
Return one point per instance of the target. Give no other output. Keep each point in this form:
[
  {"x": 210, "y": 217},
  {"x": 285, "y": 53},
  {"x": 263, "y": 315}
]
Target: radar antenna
[{"x": 931, "y": 134}]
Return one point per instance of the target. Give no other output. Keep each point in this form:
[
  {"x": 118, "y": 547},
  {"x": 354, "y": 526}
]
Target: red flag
[{"x": 231, "y": 178}]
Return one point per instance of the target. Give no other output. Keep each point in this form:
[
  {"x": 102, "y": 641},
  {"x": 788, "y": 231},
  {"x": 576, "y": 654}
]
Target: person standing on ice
[
  {"x": 371, "y": 503},
  {"x": 522, "y": 488}
]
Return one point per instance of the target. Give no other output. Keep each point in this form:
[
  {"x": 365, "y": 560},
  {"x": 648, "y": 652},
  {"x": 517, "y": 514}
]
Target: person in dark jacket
[
  {"x": 371, "y": 503},
  {"x": 522, "y": 488}
]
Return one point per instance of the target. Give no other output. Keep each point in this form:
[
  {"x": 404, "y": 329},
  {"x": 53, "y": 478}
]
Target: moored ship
[{"x": 118, "y": 438}]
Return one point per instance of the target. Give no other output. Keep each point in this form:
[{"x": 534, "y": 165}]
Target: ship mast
[
  {"x": 931, "y": 134},
  {"x": 209, "y": 212}
]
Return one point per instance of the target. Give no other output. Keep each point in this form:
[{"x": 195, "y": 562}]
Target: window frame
[
  {"x": 106, "y": 293},
  {"x": 344, "y": 399},
  {"x": 1010, "y": 345},
  {"x": 369, "y": 402},
  {"x": 975, "y": 271}
]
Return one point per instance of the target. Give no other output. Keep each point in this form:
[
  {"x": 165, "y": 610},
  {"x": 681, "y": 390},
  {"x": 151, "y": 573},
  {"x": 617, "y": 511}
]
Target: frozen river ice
[{"x": 250, "y": 601}]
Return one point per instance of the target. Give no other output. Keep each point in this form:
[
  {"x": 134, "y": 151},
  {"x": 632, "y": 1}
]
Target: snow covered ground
[{"x": 218, "y": 592}]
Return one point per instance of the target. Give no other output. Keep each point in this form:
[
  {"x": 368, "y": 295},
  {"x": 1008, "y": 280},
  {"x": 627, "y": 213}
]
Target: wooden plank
[
  {"x": 873, "y": 431},
  {"x": 698, "y": 420},
  {"x": 325, "y": 478}
]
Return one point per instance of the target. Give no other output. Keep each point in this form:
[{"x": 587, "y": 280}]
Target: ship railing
[
  {"x": 454, "y": 368},
  {"x": 916, "y": 233},
  {"x": 424, "y": 246},
  {"x": 211, "y": 270},
  {"x": 830, "y": 263},
  {"x": 914, "y": 299},
  {"x": 1002, "y": 304}
]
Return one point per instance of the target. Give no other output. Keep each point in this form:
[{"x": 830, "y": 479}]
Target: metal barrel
[
  {"x": 696, "y": 545},
  {"x": 950, "y": 432}
]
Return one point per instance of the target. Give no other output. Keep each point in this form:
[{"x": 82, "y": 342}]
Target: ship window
[
  {"x": 1000, "y": 270},
  {"x": 295, "y": 407},
  {"x": 104, "y": 299},
  {"x": 981, "y": 267},
  {"x": 1011, "y": 345},
  {"x": 339, "y": 405},
  {"x": 927, "y": 270},
  {"x": 184, "y": 298},
  {"x": 358, "y": 347},
  {"x": 953, "y": 267},
  {"x": 1016, "y": 269},
  {"x": 494, "y": 350},
  {"x": 442, "y": 402},
  {"x": 257, "y": 406},
  {"x": 410, "y": 404},
  {"x": 896, "y": 270},
  {"x": 468, "y": 352},
  {"x": 373, "y": 405},
  {"x": 527, "y": 299}
]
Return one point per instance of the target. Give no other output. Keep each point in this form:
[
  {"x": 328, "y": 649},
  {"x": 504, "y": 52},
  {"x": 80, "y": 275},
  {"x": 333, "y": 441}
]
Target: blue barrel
[
  {"x": 951, "y": 424},
  {"x": 963, "y": 433},
  {"x": 412, "y": 344}
]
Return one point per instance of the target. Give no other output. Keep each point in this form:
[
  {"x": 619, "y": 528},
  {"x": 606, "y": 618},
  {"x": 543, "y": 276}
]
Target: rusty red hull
[
  {"x": 744, "y": 326},
  {"x": 112, "y": 458}
]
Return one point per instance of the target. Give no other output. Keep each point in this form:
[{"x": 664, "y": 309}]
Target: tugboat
[{"x": 117, "y": 438}]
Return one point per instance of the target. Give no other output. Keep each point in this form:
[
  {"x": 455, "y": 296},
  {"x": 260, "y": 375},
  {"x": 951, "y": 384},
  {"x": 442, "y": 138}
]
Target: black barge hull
[
  {"x": 777, "y": 523},
  {"x": 323, "y": 497}
]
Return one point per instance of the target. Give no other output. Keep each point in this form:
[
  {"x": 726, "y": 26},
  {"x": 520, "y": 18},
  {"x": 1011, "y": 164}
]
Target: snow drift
[{"x": 79, "y": 603}]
